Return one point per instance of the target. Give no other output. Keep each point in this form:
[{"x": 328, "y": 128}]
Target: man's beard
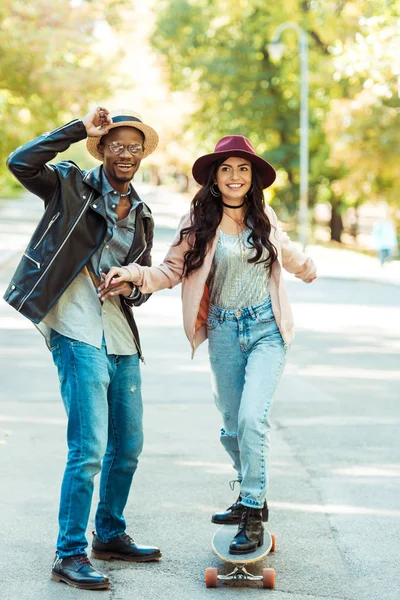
[{"x": 122, "y": 179}]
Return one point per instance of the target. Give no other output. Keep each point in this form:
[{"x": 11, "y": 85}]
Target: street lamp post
[{"x": 276, "y": 50}]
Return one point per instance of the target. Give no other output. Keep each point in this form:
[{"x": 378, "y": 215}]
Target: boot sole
[
  {"x": 81, "y": 586},
  {"x": 110, "y": 555}
]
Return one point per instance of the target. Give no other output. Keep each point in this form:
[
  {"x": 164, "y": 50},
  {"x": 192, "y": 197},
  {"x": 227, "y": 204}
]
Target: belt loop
[
  {"x": 253, "y": 314},
  {"x": 222, "y": 316}
]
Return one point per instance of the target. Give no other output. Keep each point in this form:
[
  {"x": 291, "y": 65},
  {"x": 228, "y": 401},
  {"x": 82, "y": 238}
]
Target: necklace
[
  {"x": 127, "y": 193},
  {"x": 237, "y": 222},
  {"x": 230, "y": 206},
  {"x": 240, "y": 234}
]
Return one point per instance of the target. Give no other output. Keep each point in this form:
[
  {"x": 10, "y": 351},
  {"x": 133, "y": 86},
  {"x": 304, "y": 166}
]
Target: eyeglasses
[{"x": 134, "y": 149}]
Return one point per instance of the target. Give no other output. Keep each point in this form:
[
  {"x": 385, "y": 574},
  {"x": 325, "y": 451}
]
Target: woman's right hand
[
  {"x": 117, "y": 275},
  {"x": 114, "y": 282}
]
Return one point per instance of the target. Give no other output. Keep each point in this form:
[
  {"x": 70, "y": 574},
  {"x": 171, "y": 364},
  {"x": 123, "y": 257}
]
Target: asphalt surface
[{"x": 335, "y": 479}]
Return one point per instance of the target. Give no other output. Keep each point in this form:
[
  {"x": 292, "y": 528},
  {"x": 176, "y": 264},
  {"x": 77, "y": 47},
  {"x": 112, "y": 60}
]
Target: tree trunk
[{"x": 336, "y": 224}]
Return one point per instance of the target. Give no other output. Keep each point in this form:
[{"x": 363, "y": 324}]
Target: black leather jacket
[{"x": 72, "y": 228}]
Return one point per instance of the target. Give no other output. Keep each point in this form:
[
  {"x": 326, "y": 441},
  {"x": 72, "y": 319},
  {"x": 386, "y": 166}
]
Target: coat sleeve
[
  {"x": 170, "y": 272},
  {"x": 293, "y": 260},
  {"x": 139, "y": 297},
  {"x": 28, "y": 163}
]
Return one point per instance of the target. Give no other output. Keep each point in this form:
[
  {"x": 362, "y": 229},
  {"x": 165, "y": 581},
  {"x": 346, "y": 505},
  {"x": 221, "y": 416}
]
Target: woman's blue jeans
[
  {"x": 102, "y": 397},
  {"x": 247, "y": 357}
]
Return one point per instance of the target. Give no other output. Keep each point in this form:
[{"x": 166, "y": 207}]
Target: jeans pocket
[
  {"x": 56, "y": 352},
  {"x": 212, "y": 322},
  {"x": 265, "y": 316}
]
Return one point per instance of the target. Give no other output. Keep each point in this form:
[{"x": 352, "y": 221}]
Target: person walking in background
[
  {"x": 384, "y": 238},
  {"x": 228, "y": 252},
  {"x": 92, "y": 220}
]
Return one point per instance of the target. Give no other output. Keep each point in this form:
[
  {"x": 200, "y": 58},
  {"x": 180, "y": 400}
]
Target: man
[{"x": 92, "y": 220}]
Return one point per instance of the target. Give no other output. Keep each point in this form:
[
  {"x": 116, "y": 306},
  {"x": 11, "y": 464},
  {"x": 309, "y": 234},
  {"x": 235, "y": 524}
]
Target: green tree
[
  {"x": 363, "y": 128},
  {"x": 218, "y": 50},
  {"x": 50, "y": 67}
]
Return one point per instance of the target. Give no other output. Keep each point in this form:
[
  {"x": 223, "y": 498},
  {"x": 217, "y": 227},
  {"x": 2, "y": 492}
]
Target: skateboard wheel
[
  {"x": 273, "y": 547},
  {"x": 212, "y": 577},
  {"x": 268, "y": 579}
]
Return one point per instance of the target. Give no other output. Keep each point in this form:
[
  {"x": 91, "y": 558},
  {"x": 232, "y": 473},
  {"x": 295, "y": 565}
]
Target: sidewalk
[
  {"x": 19, "y": 217},
  {"x": 337, "y": 263}
]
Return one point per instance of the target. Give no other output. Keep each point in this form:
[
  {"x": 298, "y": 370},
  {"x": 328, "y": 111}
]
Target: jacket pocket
[
  {"x": 40, "y": 240},
  {"x": 32, "y": 260}
]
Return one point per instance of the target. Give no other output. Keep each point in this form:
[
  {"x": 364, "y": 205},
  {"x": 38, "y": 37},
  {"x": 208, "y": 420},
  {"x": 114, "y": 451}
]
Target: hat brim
[
  {"x": 201, "y": 166},
  {"x": 150, "y": 138}
]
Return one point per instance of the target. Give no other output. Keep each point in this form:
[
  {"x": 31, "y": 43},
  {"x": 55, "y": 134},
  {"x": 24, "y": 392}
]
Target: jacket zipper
[
  {"x": 47, "y": 229},
  {"x": 57, "y": 253},
  {"x": 141, "y": 254},
  {"x": 35, "y": 262},
  {"x": 133, "y": 335}
]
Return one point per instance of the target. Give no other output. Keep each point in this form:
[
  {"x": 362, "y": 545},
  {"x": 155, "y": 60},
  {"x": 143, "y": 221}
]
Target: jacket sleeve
[
  {"x": 28, "y": 162},
  {"x": 293, "y": 260},
  {"x": 170, "y": 272},
  {"x": 139, "y": 297}
]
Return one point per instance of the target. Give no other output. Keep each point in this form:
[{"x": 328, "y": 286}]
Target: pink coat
[{"x": 195, "y": 298}]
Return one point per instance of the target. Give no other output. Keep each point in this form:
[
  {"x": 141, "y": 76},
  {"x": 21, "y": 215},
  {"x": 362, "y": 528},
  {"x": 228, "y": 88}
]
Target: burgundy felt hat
[{"x": 233, "y": 145}]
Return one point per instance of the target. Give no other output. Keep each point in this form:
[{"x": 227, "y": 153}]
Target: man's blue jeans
[
  {"x": 247, "y": 357},
  {"x": 102, "y": 397}
]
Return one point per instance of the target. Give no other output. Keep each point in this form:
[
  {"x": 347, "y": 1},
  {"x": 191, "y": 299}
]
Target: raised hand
[{"x": 97, "y": 122}]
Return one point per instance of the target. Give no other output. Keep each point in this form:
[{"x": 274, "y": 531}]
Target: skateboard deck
[{"x": 220, "y": 545}]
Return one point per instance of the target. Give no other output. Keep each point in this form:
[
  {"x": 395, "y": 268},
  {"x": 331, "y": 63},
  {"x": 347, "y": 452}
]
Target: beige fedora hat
[{"x": 126, "y": 118}]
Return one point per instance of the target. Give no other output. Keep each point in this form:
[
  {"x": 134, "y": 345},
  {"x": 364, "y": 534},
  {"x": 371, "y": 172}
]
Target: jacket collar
[{"x": 94, "y": 179}]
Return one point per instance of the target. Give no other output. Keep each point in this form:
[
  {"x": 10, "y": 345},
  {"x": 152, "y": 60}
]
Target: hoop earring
[{"x": 215, "y": 192}]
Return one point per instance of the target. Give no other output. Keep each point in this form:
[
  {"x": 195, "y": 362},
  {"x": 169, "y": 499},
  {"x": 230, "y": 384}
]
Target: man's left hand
[{"x": 124, "y": 289}]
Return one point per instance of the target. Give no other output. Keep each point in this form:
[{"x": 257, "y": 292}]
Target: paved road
[{"x": 336, "y": 452}]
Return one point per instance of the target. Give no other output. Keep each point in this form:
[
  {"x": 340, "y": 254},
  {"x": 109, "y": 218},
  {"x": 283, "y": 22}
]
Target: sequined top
[{"x": 233, "y": 282}]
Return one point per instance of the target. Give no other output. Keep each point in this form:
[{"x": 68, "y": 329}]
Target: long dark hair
[{"x": 206, "y": 214}]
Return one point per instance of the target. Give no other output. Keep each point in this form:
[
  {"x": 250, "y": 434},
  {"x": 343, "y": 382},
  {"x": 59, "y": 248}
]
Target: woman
[{"x": 228, "y": 253}]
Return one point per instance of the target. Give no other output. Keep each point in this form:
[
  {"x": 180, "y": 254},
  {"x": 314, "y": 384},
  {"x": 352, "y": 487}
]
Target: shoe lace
[
  {"x": 244, "y": 518},
  {"x": 82, "y": 560},
  {"x": 127, "y": 538}
]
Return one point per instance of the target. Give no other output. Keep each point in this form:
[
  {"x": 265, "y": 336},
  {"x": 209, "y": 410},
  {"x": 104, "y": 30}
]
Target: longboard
[{"x": 220, "y": 545}]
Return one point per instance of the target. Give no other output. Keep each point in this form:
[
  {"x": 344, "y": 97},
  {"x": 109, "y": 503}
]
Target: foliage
[
  {"x": 219, "y": 50},
  {"x": 49, "y": 67},
  {"x": 363, "y": 129}
]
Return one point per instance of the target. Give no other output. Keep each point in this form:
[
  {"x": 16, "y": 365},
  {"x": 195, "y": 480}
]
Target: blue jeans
[
  {"x": 384, "y": 254},
  {"x": 247, "y": 357},
  {"x": 102, "y": 397}
]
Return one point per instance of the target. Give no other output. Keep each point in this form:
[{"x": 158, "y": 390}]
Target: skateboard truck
[{"x": 240, "y": 573}]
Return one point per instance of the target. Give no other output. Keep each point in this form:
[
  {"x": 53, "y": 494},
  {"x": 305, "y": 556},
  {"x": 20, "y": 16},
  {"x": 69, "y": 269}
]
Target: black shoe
[
  {"x": 250, "y": 533},
  {"x": 233, "y": 514},
  {"x": 123, "y": 547},
  {"x": 77, "y": 571}
]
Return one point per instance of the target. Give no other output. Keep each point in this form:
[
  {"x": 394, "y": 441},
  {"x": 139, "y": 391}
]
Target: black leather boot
[
  {"x": 124, "y": 548},
  {"x": 77, "y": 571},
  {"x": 233, "y": 514},
  {"x": 250, "y": 533}
]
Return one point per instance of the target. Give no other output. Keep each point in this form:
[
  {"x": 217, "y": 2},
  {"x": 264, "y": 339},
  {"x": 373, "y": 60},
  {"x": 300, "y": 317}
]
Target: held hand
[
  {"x": 114, "y": 288},
  {"x": 97, "y": 122},
  {"x": 117, "y": 275}
]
